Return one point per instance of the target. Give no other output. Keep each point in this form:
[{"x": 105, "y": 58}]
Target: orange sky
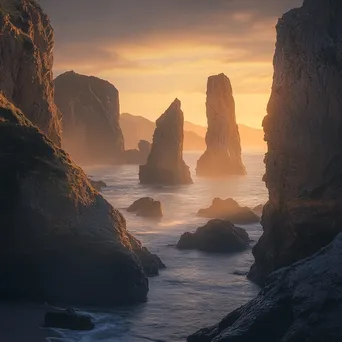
[{"x": 156, "y": 50}]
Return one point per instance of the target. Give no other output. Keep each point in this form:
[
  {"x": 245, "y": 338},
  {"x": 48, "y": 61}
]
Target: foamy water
[{"x": 196, "y": 289}]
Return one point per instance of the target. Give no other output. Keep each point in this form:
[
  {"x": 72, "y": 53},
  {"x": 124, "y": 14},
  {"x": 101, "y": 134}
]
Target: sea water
[{"x": 196, "y": 289}]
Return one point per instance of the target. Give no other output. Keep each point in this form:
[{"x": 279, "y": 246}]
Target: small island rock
[
  {"x": 217, "y": 236},
  {"x": 146, "y": 207},
  {"x": 229, "y": 210}
]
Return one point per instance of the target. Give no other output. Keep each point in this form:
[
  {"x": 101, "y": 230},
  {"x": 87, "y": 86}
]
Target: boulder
[
  {"x": 97, "y": 185},
  {"x": 303, "y": 134},
  {"x": 165, "y": 164},
  {"x": 223, "y": 154},
  {"x": 91, "y": 118},
  {"x": 146, "y": 207},
  {"x": 68, "y": 319},
  {"x": 26, "y": 45},
  {"x": 302, "y": 302},
  {"x": 62, "y": 242},
  {"x": 217, "y": 236},
  {"x": 229, "y": 210}
]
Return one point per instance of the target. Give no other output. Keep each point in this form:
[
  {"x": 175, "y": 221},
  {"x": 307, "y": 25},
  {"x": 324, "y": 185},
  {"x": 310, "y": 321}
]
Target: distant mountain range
[{"x": 137, "y": 128}]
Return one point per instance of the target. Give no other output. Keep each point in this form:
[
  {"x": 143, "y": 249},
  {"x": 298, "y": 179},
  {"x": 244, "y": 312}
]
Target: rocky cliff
[
  {"x": 303, "y": 130},
  {"x": 299, "y": 303},
  {"x": 91, "y": 114},
  {"x": 223, "y": 154},
  {"x": 165, "y": 164},
  {"x": 26, "y": 79},
  {"x": 61, "y": 242}
]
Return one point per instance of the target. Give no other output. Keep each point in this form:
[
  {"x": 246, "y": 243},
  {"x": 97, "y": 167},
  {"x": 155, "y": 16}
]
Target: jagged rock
[
  {"x": 91, "y": 115},
  {"x": 223, "y": 154},
  {"x": 68, "y": 319},
  {"x": 229, "y": 210},
  {"x": 146, "y": 207},
  {"x": 98, "y": 185},
  {"x": 302, "y": 302},
  {"x": 61, "y": 240},
  {"x": 217, "y": 236},
  {"x": 165, "y": 164},
  {"x": 26, "y": 46},
  {"x": 303, "y": 133},
  {"x": 138, "y": 156}
]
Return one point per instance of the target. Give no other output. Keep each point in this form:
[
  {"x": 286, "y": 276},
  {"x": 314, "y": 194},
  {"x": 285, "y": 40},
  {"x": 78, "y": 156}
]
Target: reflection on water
[{"x": 196, "y": 289}]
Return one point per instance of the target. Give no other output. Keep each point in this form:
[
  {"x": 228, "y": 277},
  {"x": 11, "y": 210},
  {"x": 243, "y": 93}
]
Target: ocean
[{"x": 196, "y": 289}]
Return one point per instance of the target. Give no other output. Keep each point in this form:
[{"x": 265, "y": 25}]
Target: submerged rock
[
  {"x": 139, "y": 156},
  {"x": 303, "y": 133},
  {"x": 223, "y": 154},
  {"x": 302, "y": 302},
  {"x": 61, "y": 239},
  {"x": 26, "y": 45},
  {"x": 217, "y": 236},
  {"x": 165, "y": 164},
  {"x": 68, "y": 319},
  {"x": 146, "y": 207},
  {"x": 91, "y": 118},
  {"x": 229, "y": 210}
]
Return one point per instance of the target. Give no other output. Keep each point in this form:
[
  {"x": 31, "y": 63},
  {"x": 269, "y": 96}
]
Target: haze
[{"x": 156, "y": 50}]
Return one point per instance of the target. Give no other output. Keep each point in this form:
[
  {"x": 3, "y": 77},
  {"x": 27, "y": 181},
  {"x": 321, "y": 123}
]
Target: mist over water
[{"x": 196, "y": 289}]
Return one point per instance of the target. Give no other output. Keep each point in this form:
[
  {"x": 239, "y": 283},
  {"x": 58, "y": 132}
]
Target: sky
[{"x": 156, "y": 50}]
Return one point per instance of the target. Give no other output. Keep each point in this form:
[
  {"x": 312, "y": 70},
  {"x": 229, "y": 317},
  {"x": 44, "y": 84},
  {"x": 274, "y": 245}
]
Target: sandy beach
[{"x": 22, "y": 322}]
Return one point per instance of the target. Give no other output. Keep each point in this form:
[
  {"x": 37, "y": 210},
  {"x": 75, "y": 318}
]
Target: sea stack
[
  {"x": 91, "y": 114},
  {"x": 165, "y": 164},
  {"x": 303, "y": 130},
  {"x": 26, "y": 45},
  {"x": 223, "y": 154}
]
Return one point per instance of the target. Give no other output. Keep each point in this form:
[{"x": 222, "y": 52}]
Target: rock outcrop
[
  {"x": 304, "y": 137},
  {"x": 61, "y": 241},
  {"x": 26, "y": 45},
  {"x": 229, "y": 210},
  {"x": 146, "y": 207},
  {"x": 302, "y": 302},
  {"x": 165, "y": 164},
  {"x": 98, "y": 185},
  {"x": 91, "y": 114},
  {"x": 138, "y": 157},
  {"x": 217, "y": 236},
  {"x": 223, "y": 154},
  {"x": 68, "y": 319}
]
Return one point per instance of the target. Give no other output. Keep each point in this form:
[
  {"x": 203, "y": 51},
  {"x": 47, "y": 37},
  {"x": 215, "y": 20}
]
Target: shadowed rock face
[
  {"x": 61, "y": 241},
  {"x": 302, "y": 302},
  {"x": 91, "y": 114},
  {"x": 303, "y": 130},
  {"x": 165, "y": 164},
  {"x": 223, "y": 154},
  {"x": 26, "y": 45}
]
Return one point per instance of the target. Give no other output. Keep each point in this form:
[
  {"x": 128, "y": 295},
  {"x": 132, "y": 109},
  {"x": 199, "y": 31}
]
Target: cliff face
[
  {"x": 26, "y": 79},
  {"x": 165, "y": 164},
  {"x": 91, "y": 114},
  {"x": 223, "y": 154},
  {"x": 303, "y": 130},
  {"x": 61, "y": 241},
  {"x": 302, "y": 302}
]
